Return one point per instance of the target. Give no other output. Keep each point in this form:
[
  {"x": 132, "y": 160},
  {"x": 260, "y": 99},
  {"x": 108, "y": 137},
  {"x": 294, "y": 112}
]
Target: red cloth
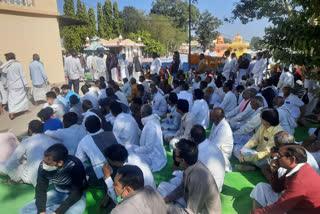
[{"x": 302, "y": 193}]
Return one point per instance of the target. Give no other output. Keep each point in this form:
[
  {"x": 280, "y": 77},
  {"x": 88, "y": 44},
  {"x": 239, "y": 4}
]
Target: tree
[
  {"x": 83, "y": 16},
  {"x": 68, "y": 8},
  {"x": 206, "y": 31},
  {"x": 70, "y": 34},
  {"x": 116, "y": 20},
  {"x": 294, "y": 36},
  {"x": 107, "y": 16},
  {"x": 92, "y": 29},
  {"x": 256, "y": 43},
  {"x": 133, "y": 20},
  {"x": 101, "y": 22},
  {"x": 151, "y": 45},
  {"x": 177, "y": 11}
]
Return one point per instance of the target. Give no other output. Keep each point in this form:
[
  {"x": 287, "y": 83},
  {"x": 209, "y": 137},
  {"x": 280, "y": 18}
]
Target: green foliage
[
  {"x": 151, "y": 45},
  {"x": 294, "y": 36},
  {"x": 256, "y": 43},
  {"x": 206, "y": 31},
  {"x": 83, "y": 16},
  {"x": 133, "y": 20},
  {"x": 68, "y": 8},
  {"x": 178, "y": 12},
  {"x": 116, "y": 20},
  {"x": 101, "y": 22},
  {"x": 92, "y": 29},
  {"x": 107, "y": 15}
]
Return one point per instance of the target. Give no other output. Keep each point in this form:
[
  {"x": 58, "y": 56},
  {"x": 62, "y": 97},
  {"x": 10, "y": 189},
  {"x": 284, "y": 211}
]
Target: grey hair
[
  {"x": 146, "y": 110},
  {"x": 259, "y": 101},
  {"x": 250, "y": 82},
  {"x": 252, "y": 92},
  {"x": 283, "y": 138}
]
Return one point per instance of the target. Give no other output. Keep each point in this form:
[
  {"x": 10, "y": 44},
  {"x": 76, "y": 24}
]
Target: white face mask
[{"x": 49, "y": 168}]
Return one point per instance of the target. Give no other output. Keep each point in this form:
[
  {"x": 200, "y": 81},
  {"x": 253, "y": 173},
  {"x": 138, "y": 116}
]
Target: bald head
[
  {"x": 278, "y": 101},
  {"x": 145, "y": 111},
  {"x": 216, "y": 115}
]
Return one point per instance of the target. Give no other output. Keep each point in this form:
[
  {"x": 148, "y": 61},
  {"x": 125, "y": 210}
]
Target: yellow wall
[{"x": 29, "y": 33}]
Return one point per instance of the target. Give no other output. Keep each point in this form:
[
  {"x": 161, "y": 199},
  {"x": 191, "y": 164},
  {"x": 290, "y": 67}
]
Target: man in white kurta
[
  {"x": 221, "y": 135},
  {"x": 71, "y": 134},
  {"x": 171, "y": 123},
  {"x": 125, "y": 128},
  {"x": 286, "y": 78},
  {"x": 243, "y": 112},
  {"x": 123, "y": 64},
  {"x": 287, "y": 121},
  {"x": 159, "y": 103},
  {"x": 258, "y": 70},
  {"x": 200, "y": 109},
  {"x": 91, "y": 96},
  {"x": 155, "y": 65},
  {"x": 150, "y": 148},
  {"x": 292, "y": 102},
  {"x": 185, "y": 95},
  {"x": 101, "y": 67},
  {"x": 23, "y": 164},
  {"x": 16, "y": 82},
  {"x": 227, "y": 65},
  {"x": 229, "y": 102}
]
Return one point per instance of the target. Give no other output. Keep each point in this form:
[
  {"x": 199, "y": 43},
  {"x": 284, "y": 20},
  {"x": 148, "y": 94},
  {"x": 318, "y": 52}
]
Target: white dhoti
[
  {"x": 3, "y": 95},
  {"x": 264, "y": 194},
  {"x": 39, "y": 91},
  {"x": 165, "y": 188},
  {"x": 241, "y": 73},
  {"x": 18, "y": 100},
  {"x": 114, "y": 74},
  {"x": 136, "y": 75}
]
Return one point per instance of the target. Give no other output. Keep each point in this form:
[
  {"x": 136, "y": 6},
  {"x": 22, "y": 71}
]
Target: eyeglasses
[{"x": 280, "y": 155}]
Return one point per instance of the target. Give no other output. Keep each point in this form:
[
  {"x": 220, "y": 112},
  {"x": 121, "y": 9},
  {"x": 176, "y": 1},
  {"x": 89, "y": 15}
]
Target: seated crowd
[{"x": 114, "y": 137}]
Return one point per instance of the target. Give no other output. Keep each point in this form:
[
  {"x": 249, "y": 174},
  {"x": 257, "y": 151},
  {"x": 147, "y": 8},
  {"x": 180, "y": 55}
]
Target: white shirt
[
  {"x": 286, "y": 78},
  {"x": 92, "y": 97},
  {"x": 287, "y": 122},
  {"x": 229, "y": 102},
  {"x": 237, "y": 116},
  {"x": 146, "y": 86},
  {"x": 122, "y": 97},
  {"x": 211, "y": 156},
  {"x": 73, "y": 69},
  {"x": 155, "y": 66},
  {"x": 200, "y": 110},
  {"x": 147, "y": 175},
  {"x": 151, "y": 144},
  {"x": 265, "y": 104},
  {"x": 110, "y": 118},
  {"x": 293, "y": 103},
  {"x": 126, "y": 130},
  {"x": 215, "y": 100},
  {"x": 221, "y": 136},
  {"x": 102, "y": 94},
  {"x": 101, "y": 64},
  {"x": 159, "y": 105},
  {"x": 196, "y": 85},
  {"x": 184, "y": 95},
  {"x": 88, "y": 149},
  {"x": 70, "y": 137},
  {"x": 227, "y": 66},
  {"x": 252, "y": 125},
  {"x": 258, "y": 68},
  {"x": 213, "y": 85}
]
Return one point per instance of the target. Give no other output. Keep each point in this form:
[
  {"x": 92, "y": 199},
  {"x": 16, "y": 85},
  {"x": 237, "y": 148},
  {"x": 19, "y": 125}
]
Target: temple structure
[{"x": 237, "y": 46}]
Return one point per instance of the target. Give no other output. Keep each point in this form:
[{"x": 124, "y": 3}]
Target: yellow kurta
[{"x": 263, "y": 141}]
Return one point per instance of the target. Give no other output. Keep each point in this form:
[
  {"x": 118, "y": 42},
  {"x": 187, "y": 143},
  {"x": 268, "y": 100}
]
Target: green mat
[{"x": 235, "y": 195}]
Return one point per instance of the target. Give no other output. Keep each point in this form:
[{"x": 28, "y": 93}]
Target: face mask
[
  {"x": 119, "y": 198},
  {"x": 49, "y": 168}
]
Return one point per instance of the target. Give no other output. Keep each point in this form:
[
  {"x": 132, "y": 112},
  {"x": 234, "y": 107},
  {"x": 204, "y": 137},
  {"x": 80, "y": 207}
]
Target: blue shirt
[
  {"x": 64, "y": 102},
  {"x": 52, "y": 124},
  {"x": 37, "y": 73},
  {"x": 69, "y": 94}
]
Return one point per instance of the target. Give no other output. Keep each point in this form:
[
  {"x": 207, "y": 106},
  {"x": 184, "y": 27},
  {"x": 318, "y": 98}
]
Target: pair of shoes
[
  {"x": 245, "y": 168},
  {"x": 11, "y": 117}
]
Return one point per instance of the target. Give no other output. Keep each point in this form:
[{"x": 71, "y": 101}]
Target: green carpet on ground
[{"x": 235, "y": 195}]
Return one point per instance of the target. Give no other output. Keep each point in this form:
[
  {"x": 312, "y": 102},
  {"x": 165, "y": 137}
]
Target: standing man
[
  {"x": 243, "y": 67},
  {"x": 137, "y": 67},
  {"x": 114, "y": 67},
  {"x": 17, "y": 85},
  {"x": 101, "y": 67},
  {"x": 108, "y": 69},
  {"x": 202, "y": 67},
  {"x": 73, "y": 72},
  {"x": 227, "y": 65},
  {"x": 156, "y": 65},
  {"x": 39, "y": 79}
]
